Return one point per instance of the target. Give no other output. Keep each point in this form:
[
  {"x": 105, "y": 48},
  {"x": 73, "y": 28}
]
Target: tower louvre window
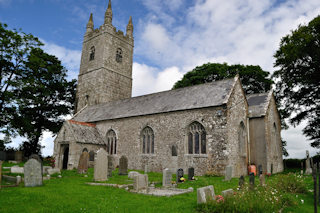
[
  {"x": 119, "y": 55},
  {"x": 92, "y": 52}
]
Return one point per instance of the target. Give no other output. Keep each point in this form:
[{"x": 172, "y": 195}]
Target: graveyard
[{"x": 122, "y": 190}]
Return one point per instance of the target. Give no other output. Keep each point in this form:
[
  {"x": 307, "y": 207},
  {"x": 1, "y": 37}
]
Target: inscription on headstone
[
  {"x": 191, "y": 173},
  {"x": 83, "y": 163},
  {"x": 101, "y": 166},
  {"x": 205, "y": 194},
  {"x": 32, "y": 173},
  {"x": 166, "y": 178},
  {"x": 228, "y": 175},
  {"x": 179, "y": 175},
  {"x": 123, "y": 165}
]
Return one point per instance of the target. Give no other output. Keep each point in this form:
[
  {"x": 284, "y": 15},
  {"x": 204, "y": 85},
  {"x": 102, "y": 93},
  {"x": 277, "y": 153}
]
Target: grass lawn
[{"x": 71, "y": 194}]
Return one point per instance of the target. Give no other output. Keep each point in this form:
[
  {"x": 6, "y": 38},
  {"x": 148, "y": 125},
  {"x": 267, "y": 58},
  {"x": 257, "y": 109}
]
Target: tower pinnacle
[
  {"x": 90, "y": 26},
  {"x": 108, "y": 14},
  {"x": 130, "y": 28}
]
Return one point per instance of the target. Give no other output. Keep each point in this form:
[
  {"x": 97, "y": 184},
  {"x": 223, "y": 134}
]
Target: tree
[
  {"x": 44, "y": 97},
  {"x": 253, "y": 78},
  {"x": 298, "y": 78}
]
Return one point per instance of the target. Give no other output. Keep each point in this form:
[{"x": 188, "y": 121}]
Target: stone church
[{"x": 207, "y": 127}]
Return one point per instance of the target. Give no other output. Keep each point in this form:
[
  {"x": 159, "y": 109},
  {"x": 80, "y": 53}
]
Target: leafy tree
[
  {"x": 253, "y": 78},
  {"x": 298, "y": 78},
  {"x": 44, "y": 97}
]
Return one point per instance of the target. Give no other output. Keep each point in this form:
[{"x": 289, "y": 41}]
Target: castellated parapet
[{"x": 106, "y": 63}]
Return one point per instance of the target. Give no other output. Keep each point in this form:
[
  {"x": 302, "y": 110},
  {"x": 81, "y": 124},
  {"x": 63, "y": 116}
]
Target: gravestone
[
  {"x": 140, "y": 182},
  {"x": 18, "y": 155},
  {"x": 166, "y": 178},
  {"x": 241, "y": 181},
  {"x": 251, "y": 179},
  {"x": 19, "y": 179},
  {"x": 191, "y": 173},
  {"x": 101, "y": 166},
  {"x": 123, "y": 165},
  {"x": 3, "y": 155},
  {"x": 16, "y": 169},
  {"x": 205, "y": 194},
  {"x": 32, "y": 173},
  {"x": 110, "y": 165},
  {"x": 227, "y": 192},
  {"x": 228, "y": 175},
  {"x": 308, "y": 167},
  {"x": 260, "y": 170},
  {"x": 37, "y": 157},
  {"x": 0, "y": 173},
  {"x": 179, "y": 175},
  {"x": 132, "y": 174},
  {"x": 53, "y": 171},
  {"x": 262, "y": 180},
  {"x": 83, "y": 163},
  {"x": 146, "y": 168}
]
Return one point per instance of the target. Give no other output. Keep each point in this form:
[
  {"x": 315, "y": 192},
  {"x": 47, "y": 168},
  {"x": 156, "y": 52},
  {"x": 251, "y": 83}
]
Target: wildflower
[
  {"x": 219, "y": 198},
  {"x": 302, "y": 201}
]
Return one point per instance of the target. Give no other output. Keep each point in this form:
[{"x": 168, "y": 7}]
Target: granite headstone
[
  {"x": 32, "y": 173},
  {"x": 167, "y": 178},
  {"x": 140, "y": 182}
]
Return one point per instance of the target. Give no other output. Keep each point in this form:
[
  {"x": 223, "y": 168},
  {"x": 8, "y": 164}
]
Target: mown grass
[{"x": 71, "y": 194}]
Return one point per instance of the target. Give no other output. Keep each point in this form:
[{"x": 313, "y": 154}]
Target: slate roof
[
  {"x": 258, "y": 104},
  {"x": 84, "y": 133},
  {"x": 199, "y": 96}
]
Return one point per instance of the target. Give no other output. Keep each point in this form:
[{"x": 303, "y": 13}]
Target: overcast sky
[{"x": 171, "y": 37}]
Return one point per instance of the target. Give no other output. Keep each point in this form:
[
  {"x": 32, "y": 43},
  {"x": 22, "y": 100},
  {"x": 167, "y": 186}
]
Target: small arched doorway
[{"x": 65, "y": 158}]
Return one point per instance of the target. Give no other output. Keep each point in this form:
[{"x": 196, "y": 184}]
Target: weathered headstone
[
  {"x": 191, "y": 173},
  {"x": 18, "y": 155},
  {"x": 251, "y": 179},
  {"x": 262, "y": 180},
  {"x": 83, "y": 163},
  {"x": 17, "y": 170},
  {"x": 101, "y": 166},
  {"x": 19, "y": 179},
  {"x": 241, "y": 181},
  {"x": 179, "y": 175},
  {"x": 146, "y": 169},
  {"x": 227, "y": 192},
  {"x": 53, "y": 171},
  {"x": 166, "y": 178},
  {"x": 228, "y": 175},
  {"x": 260, "y": 170},
  {"x": 308, "y": 167},
  {"x": 110, "y": 165},
  {"x": 123, "y": 165},
  {"x": 205, "y": 194},
  {"x": 37, "y": 157},
  {"x": 32, "y": 173},
  {"x": 140, "y": 182},
  {"x": 132, "y": 174}
]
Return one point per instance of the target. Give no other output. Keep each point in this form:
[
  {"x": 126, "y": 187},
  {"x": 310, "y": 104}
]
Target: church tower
[{"x": 106, "y": 63}]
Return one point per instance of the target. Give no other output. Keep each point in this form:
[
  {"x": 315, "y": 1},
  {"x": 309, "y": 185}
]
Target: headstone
[
  {"x": 32, "y": 173},
  {"x": 262, "y": 180},
  {"x": 228, "y": 175},
  {"x": 251, "y": 179},
  {"x": 101, "y": 166},
  {"x": 3, "y": 156},
  {"x": 45, "y": 169},
  {"x": 260, "y": 169},
  {"x": 205, "y": 194},
  {"x": 191, "y": 173},
  {"x": 83, "y": 163},
  {"x": 140, "y": 182},
  {"x": 35, "y": 156},
  {"x": 227, "y": 192},
  {"x": 53, "y": 171},
  {"x": 146, "y": 169},
  {"x": 132, "y": 174},
  {"x": 167, "y": 178},
  {"x": 308, "y": 167},
  {"x": 19, "y": 179},
  {"x": 110, "y": 165},
  {"x": 17, "y": 169},
  {"x": 18, "y": 155},
  {"x": 241, "y": 181},
  {"x": 123, "y": 165},
  {"x": 179, "y": 175}
]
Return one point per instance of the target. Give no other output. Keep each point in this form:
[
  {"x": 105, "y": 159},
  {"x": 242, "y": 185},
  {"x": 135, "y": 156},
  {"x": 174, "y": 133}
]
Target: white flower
[{"x": 302, "y": 201}]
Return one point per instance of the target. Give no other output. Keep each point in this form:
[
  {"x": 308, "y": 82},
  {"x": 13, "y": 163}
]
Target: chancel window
[
  {"x": 111, "y": 142},
  {"x": 119, "y": 55},
  {"x": 196, "y": 139},
  {"x": 147, "y": 141},
  {"x": 92, "y": 52}
]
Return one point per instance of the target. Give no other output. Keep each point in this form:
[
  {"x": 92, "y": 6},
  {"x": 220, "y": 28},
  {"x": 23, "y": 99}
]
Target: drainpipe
[{"x": 248, "y": 133}]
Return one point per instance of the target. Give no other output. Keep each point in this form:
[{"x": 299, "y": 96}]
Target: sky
[{"x": 171, "y": 38}]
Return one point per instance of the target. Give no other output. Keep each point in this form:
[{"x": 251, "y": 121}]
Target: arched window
[
  {"x": 85, "y": 150},
  {"x": 111, "y": 142},
  {"x": 242, "y": 139},
  {"x": 119, "y": 55},
  {"x": 196, "y": 139},
  {"x": 174, "y": 151},
  {"x": 92, "y": 52},
  {"x": 147, "y": 141},
  {"x": 91, "y": 156}
]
